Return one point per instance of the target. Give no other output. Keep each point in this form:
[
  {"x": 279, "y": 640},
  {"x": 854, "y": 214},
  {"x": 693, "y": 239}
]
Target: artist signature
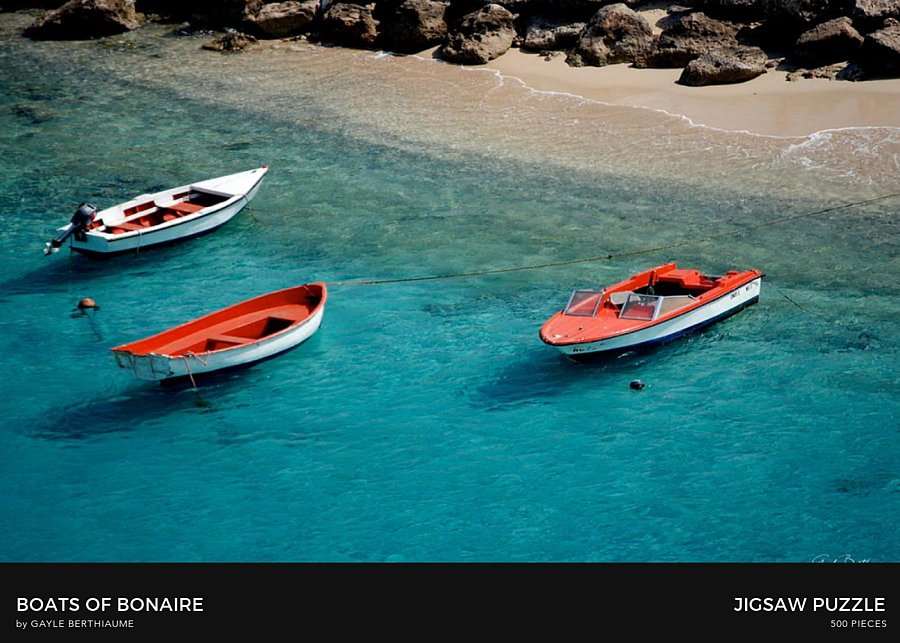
[{"x": 845, "y": 558}]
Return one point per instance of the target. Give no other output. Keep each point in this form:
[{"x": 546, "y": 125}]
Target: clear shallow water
[{"x": 426, "y": 421}]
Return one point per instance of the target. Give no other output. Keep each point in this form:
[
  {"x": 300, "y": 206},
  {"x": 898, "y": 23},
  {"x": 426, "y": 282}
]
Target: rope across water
[{"x": 617, "y": 255}]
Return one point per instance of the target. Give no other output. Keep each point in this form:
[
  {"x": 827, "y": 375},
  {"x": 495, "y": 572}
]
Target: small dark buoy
[
  {"x": 636, "y": 385},
  {"x": 86, "y": 303}
]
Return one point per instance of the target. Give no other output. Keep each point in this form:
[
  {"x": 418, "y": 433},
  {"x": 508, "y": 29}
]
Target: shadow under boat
[
  {"x": 59, "y": 275},
  {"x": 546, "y": 374},
  {"x": 140, "y": 403}
]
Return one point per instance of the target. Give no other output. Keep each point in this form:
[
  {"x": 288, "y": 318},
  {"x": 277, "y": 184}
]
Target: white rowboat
[{"x": 160, "y": 218}]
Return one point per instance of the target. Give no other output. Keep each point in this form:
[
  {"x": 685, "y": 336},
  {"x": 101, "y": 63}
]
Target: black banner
[{"x": 64, "y": 600}]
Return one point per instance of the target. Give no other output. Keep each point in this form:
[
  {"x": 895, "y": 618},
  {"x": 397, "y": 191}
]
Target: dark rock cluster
[{"x": 713, "y": 41}]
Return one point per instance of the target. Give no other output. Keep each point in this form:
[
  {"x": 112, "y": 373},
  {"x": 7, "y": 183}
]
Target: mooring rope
[
  {"x": 612, "y": 256},
  {"x": 187, "y": 364}
]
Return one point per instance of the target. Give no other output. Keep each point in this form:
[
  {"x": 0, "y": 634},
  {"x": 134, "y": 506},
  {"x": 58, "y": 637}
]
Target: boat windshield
[
  {"x": 583, "y": 303},
  {"x": 643, "y": 307}
]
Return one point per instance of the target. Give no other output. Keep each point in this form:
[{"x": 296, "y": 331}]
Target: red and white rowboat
[
  {"x": 159, "y": 218},
  {"x": 239, "y": 335},
  {"x": 653, "y": 306}
]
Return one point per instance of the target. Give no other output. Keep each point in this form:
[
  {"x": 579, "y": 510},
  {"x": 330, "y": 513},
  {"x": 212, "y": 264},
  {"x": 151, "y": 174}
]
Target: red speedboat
[{"x": 653, "y": 306}]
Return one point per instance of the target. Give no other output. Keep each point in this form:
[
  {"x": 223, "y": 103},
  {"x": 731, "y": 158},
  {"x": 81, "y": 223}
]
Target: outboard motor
[{"x": 78, "y": 225}]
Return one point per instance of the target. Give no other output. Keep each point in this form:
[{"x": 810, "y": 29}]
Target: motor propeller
[{"x": 77, "y": 225}]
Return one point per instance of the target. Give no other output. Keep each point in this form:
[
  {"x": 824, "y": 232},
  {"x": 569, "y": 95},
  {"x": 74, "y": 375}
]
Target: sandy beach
[{"x": 767, "y": 105}]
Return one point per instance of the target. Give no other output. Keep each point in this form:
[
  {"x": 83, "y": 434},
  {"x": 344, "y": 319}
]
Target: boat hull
[
  {"x": 98, "y": 244},
  {"x": 162, "y": 368},
  {"x": 724, "y": 306}
]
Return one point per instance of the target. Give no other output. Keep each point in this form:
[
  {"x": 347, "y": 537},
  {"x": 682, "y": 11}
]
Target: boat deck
[{"x": 235, "y": 331}]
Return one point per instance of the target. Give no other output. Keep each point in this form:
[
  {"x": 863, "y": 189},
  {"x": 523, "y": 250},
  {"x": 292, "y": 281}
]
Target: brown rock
[
  {"x": 837, "y": 71},
  {"x": 874, "y": 12},
  {"x": 480, "y": 36},
  {"x": 414, "y": 25},
  {"x": 85, "y": 19},
  {"x": 829, "y": 42},
  {"x": 543, "y": 34},
  {"x": 15, "y": 5},
  {"x": 802, "y": 12},
  {"x": 725, "y": 66},
  {"x": 880, "y": 55},
  {"x": 348, "y": 24},
  {"x": 615, "y": 34},
  {"x": 283, "y": 19},
  {"x": 734, "y": 8},
  {"x": 215, "y": 14},
  {"x": 688, "y": 36}
]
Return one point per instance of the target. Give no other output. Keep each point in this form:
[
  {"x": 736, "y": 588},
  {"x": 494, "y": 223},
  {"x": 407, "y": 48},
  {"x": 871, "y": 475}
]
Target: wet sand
[{"x": 767, "y": 105}]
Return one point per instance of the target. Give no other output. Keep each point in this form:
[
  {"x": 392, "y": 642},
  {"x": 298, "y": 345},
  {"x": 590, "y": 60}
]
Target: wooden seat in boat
[
  {"x": 185, "y": 207},
  {"x": 127, "y": 226},
  {"x": 252, "y": 327}
]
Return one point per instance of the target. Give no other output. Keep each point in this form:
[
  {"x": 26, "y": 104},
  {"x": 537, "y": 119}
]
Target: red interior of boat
[
  {"x": 238, "y": 325},
  {"x": 595, "y": 315},
  {"x": 185, "y": 203}
]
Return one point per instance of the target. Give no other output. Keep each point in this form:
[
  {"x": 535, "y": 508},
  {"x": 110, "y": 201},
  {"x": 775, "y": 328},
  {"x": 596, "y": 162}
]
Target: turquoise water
[{"x": 425, "y": 421}]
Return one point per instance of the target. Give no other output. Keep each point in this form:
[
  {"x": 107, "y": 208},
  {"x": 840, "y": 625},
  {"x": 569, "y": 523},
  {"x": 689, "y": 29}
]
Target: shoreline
[{"x": 766, "y": 106}]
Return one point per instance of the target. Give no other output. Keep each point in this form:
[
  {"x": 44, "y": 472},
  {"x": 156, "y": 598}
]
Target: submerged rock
[
  {"x": 829, "y": 42},
  {"x": 85, "y": 19},
  {"x": 615, "y": 34},
  {"x": 352, "y": 25},
  {"x": 688, "y": 36},
  {"x": 723, "y": 67},
  {"x": 414, "y": 25},
  {"x": 283, "y": 19},
  {"x": 231, "y": 42},
  {"x": 480, "y": 36},
  {"x": 544, "y": 34}
]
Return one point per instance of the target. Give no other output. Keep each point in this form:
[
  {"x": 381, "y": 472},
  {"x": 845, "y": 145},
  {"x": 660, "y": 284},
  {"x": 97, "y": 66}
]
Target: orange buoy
[{"x": 86, "y": 303}]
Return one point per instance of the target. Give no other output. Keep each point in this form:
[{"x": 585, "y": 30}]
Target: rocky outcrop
[
  {"x": 688, "y": 36},
  {"x": 414, "y": 25},
  {"x": 15, "y": 5},
  {"x": 836, "y": 71},
  {"x": 231, "y": 42},
  {"x": 85, "y": 19},
  {"x": 615, "y": 34},
  {"x": 872, "y": 13},
  {"x": 544, "y": 34},
  {"x": 282, "y": 19},
  {"x": 734, "y": 8},
  {"x": 802, "y": 13},
  {"x": 829, "y": 42},
  {"x": 562, "y": 10},
  {"x": 880, "y": 55},
  {"x": 351, "y": 25},
  {"x": 215, "y": 14},
  {"x": 480, "y": 36},
  {"x": 723, "y": 67}
]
